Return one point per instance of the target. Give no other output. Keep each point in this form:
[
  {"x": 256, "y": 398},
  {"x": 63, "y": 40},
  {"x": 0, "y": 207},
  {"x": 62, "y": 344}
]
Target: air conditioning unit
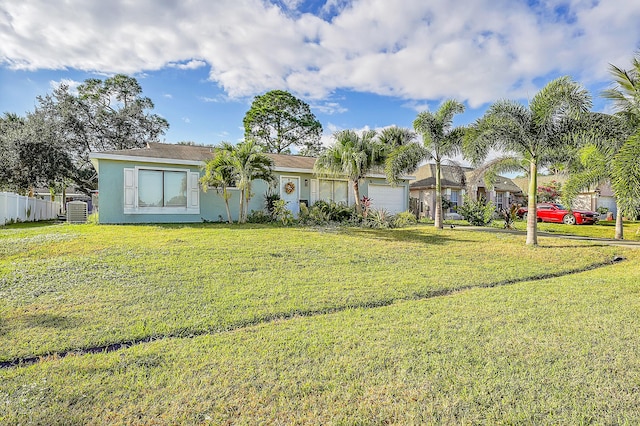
[{"x": 77, "y": 212}]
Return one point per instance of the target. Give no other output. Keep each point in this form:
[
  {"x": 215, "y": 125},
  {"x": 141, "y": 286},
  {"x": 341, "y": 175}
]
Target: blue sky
[{"x": 359, "y": 64}]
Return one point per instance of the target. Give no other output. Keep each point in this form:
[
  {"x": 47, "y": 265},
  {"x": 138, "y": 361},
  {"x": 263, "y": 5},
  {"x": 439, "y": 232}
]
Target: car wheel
[
  {"x": 569, "y": 219},
  {"x": 524, "y": 217}
]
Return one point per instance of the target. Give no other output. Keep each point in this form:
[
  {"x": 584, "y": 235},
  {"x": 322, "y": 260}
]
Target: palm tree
[
  {"x": 237, "y": 165},
  {"x": 352, "y": 155},
  {"x": 625, "y": 167},
  {"x": 533, "y": 134},
  {"x": 402, "y": 153},
  {"x": 440, "y": 140},
  {"x": 219, "y": 174},
  {"x": 249, "y": 163},
  {"x": 601, "y": 142}
]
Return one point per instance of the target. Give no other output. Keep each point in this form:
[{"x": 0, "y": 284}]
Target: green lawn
[
  {"x": 294, "y": 325},
  {"x": 604, "y": 229}
]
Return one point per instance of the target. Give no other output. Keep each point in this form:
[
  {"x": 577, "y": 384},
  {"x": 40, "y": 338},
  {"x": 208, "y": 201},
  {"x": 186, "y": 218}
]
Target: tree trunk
[
  {"x": 226, "y": 204},
  {"x": 226, "y": 196},
  {"x": 356, "y": 193},
  {"x": 240, "y": 213},
  {"x": 619, "y": 225},
  {"x": 532, "y": 213},
  {"x": 438, "y": 213}
]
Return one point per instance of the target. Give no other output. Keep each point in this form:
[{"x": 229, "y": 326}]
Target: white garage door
[{"x": 392, "y": 199}]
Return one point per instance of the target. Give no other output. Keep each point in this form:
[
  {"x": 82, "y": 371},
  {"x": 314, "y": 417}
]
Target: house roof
[
  {"x": 456, "y": 178},
  {"x": 192, "y": 154},
  {"x": 156, "y": 152}
]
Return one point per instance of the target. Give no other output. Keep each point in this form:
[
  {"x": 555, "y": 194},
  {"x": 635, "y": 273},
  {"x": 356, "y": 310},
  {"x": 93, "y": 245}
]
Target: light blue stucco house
[{"x": 160, "y": 184}]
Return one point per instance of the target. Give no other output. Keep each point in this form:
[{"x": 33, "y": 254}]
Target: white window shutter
[
  {"x": 194, "y": 190},
  {"x": 129, "y": 188},
  {"x": 313, "y": 196}
]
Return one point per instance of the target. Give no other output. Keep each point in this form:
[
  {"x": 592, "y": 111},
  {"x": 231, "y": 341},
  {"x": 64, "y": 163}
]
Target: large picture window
[
  {"x": 161, "y": 191},
  {"x": 334, "y": 190},
  {"x": 162, "y": 188}
]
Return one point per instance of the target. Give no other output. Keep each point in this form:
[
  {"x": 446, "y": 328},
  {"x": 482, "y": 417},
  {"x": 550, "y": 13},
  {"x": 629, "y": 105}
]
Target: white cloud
[
  {"x": 186, "y": 120},
  {"x": 329, "y": 108},
  {"x": 190, "y": 65},
  {"x": 474, "y": 51},
  {"x": 71, "y": 84},
  {"x": 168, "y": 95}
]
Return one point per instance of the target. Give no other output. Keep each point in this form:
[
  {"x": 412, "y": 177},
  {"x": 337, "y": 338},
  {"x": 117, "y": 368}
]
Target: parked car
[{"x": 553, "y": 212}]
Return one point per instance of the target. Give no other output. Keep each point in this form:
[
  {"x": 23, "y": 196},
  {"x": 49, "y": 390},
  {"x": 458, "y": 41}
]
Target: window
[
  {"x": 499, "y": 200},
  {"x": 161, "y": 191},
  {"x": 334, "y": 190},
  {"x": 160, "y": 188},
  {"x": 454, "y": 199}
]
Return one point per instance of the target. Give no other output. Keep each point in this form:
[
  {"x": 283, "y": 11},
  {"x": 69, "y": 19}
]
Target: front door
[{"x": 290, "y": 193}]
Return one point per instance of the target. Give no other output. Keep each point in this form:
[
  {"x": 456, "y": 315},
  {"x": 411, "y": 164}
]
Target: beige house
[
  {"x": 590, "y": 199},
  {"x": 457, "y": 182}
]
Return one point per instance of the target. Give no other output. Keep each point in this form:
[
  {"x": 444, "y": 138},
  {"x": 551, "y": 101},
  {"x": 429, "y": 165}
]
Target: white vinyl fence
[{"x": 17, "y": 208}]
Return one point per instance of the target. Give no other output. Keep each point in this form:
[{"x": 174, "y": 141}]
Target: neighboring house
[
  {"x": 70, "y": 194},
  {"x": 589, "y": 199},
  {"x": 457, "y": 182},
  {"x": 160, "y": 184}
]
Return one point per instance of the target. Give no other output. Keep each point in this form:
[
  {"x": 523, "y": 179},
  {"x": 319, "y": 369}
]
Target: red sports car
[{"x": 552, "y": 212}]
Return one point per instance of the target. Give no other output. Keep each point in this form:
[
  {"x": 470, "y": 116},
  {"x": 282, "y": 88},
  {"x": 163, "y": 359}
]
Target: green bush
[
  {"x": 477, "y": 213},
  {"x": 259, "y": 216},
  {"x": 281, "y": 213},
  {"x": 404, "y": 219},
  {"x": 377, "y": 219}
]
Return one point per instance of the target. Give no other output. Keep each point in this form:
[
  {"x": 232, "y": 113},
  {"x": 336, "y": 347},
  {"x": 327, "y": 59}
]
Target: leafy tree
[
  {"x": 219, "y": 174},
  {"x": 278, "y": 121},
  {"x": 352, "y": 155},
  {"x": 440, "y": 140},
  {"x": 31, "y": 155},
  {"x": 535, "y": 134},
  {"x": 105, "y": 115}
]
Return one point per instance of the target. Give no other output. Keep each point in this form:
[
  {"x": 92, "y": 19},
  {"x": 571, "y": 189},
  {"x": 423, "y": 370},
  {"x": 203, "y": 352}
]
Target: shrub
[
  {"x": 550, "y": 192},
  {"x": 259, "y": 216},
  {"x": 404, "y": 219},
  {"x": 477, "y": 213},
  {"x": 377, "y": 219},
  {"x": 509, "y": 215},
  {"x": 269, "y": 200},
  {"x": 281, "y": 213}
]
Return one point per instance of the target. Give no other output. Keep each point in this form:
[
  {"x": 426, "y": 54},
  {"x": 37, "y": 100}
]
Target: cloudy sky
[{"x": 358, "y": 63}]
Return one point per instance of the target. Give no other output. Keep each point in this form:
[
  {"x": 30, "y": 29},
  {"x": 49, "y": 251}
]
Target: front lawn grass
[
  {"x": 559, "y": 351},
  {"x": 69, "y": 287},
  {"x": 604, "y": 229}
]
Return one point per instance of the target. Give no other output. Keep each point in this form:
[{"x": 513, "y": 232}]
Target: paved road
[{"x": 604, "y": 241}]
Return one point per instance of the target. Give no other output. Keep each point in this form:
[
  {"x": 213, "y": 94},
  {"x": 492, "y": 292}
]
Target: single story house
[
  {"x": 160, "y": 184},
  {"x": 455, "y": 183}
]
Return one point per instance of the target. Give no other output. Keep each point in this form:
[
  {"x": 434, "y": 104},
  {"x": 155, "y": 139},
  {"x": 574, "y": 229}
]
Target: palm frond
[{"x": 626, "y": 175}]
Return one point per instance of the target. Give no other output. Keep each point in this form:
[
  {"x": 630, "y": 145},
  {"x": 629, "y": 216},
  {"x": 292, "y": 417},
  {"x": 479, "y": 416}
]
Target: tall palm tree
[
  {"x": 219, "y": 174},
  {"x": 533, "y": 134},
  {"x": 249, "y": 163},
  {"x": 601, "y": 141},
  {"x": 625, "y": 95},
  {"x": 402, "y": 153},
  {"x": 440, "y": 140},
  {"x": 352, "y": 155}
]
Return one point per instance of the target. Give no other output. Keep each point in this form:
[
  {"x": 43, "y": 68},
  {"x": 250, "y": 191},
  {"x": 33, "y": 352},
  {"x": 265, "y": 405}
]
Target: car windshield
[{"x": 560, "y": 206}]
